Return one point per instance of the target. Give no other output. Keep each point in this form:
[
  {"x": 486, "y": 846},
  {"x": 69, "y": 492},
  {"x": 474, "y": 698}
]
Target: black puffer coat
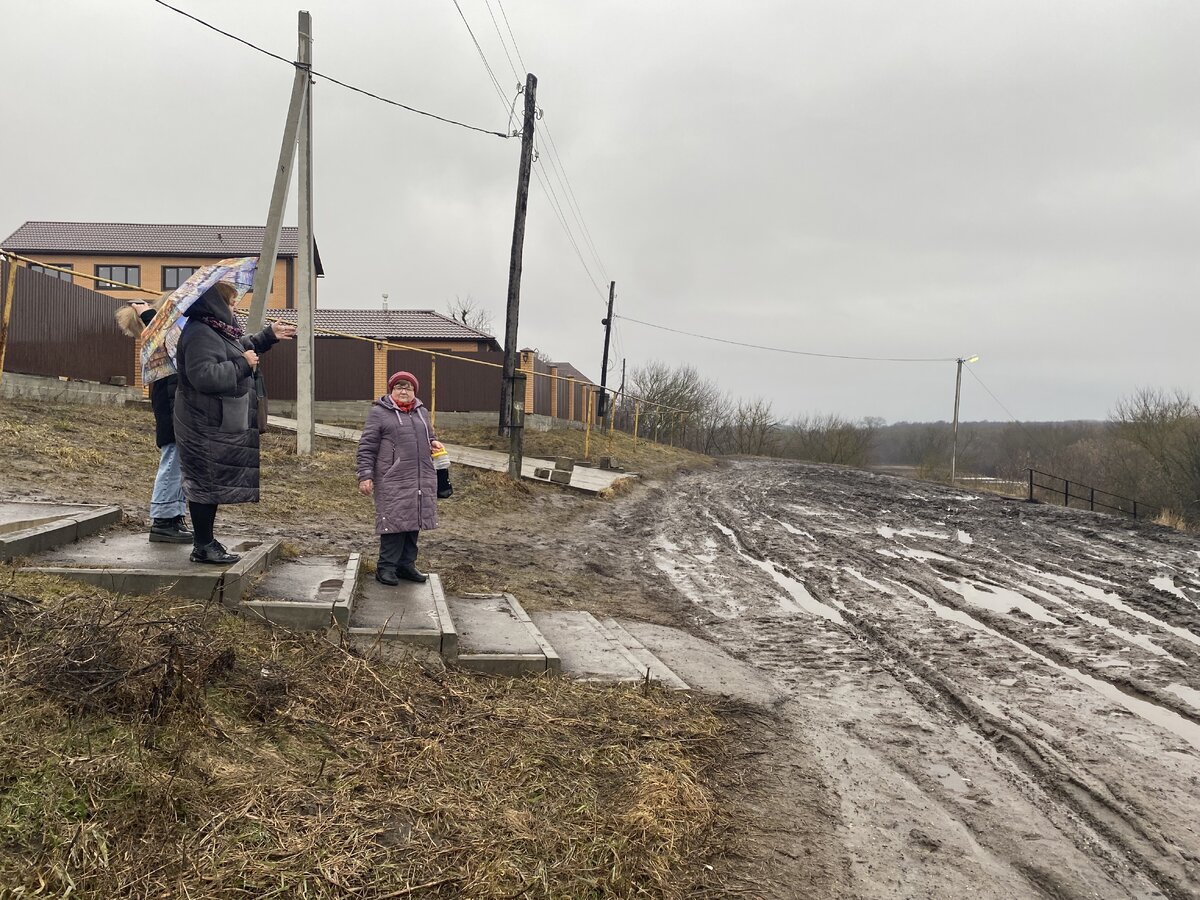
[
  {"x": 162, "y": 400},
  {"x": 216, "y": 407}
]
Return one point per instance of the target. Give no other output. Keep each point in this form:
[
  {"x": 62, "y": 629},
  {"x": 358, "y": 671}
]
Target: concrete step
[
  {"x": 588, "y": 651},
  {"x": 127, "y": 563},
  {"x": 659, "y": 670},
  {"x": 704, "y": 665},
  {"x": 29, "y": 528},
  {"x": 304, "y": 594},
  {"x": 495, "y": 635},
  {"x": 408, "y": 613}
]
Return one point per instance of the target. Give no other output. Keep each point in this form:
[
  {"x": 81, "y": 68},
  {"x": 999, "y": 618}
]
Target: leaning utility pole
[
  {"x": 507, "y": 398},
  {"x": 602, "y": 405},
  {"x": 301, "y": 95},
  {"x": 306, "y": 293}
]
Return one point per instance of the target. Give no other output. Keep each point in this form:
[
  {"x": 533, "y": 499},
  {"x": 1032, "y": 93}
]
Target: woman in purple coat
[{"x": 395, "y": 463}]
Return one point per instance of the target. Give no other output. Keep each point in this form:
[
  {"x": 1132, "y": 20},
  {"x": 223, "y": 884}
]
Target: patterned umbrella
[{"x": 162, "y": 334}]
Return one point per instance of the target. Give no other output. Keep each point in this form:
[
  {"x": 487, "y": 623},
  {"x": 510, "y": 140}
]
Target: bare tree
[{"x": 470, "y": 313}]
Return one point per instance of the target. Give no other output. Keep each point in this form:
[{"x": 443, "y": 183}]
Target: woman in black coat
[{"x": 216, "y": 413}]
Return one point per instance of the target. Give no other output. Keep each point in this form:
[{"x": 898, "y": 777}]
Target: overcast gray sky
[{"x": 1010, "y": 178}]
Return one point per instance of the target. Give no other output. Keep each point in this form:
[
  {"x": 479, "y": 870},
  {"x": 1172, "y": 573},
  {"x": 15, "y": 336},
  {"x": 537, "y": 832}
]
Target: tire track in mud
[
  {"x": 1127, "y": 837},
  {"x": 1105, "y": 823}
]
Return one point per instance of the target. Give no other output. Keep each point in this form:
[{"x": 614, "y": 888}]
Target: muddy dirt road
[{"x": 977, "y": 697}]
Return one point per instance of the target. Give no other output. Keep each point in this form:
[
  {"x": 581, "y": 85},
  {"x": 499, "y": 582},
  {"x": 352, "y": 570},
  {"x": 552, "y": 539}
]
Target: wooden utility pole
[
  {"x": 602, "y": 400},
  {"x": 507, "y": 397},
  {"x": 306, "y": 432}
]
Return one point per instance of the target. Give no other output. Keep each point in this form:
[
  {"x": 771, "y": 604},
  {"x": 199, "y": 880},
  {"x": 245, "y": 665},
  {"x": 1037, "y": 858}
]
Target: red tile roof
[
  {"x": 396, "y": 324},
  {"x": 162, "y": 240}
]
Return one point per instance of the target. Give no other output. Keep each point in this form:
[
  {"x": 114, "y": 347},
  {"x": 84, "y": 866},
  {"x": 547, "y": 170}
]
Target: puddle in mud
[
  {"x": 1138, "y": 640},
  {"x": 725, "y": 607},
  {"x": 867, "y": 581},
  {"x": 1111, "y": 599},
  {"x": 1157, "y": 715},
  {"x": 998, "y": 599},
  {"x": 889, "y": 533},
  {"x": 964, "y": 538},
  {"x": 792, "y": 529},
  {"x": 1168, "y": 586},
  {"x": 800, "y": 598},
  {"x": 1188, "y": 695},
  {"x": 949, "y": 778}
]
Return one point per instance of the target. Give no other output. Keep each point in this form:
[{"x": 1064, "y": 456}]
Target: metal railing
[{"x": 1131, "y": 506}]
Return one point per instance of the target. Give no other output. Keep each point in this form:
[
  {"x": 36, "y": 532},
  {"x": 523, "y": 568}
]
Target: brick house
[{"x": 155, "y": 257}]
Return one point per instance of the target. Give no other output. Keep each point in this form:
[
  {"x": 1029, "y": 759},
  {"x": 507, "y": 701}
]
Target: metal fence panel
[
  {"x": 60, "y": 329},
  {"x": 542, "y": 387}
]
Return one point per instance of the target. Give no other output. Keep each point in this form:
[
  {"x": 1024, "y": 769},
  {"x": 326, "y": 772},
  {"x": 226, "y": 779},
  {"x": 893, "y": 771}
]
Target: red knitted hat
[{"x": 404, "y": 376}]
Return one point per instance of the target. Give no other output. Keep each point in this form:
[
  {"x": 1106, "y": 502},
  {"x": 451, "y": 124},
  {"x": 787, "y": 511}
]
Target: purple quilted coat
[{"x": 394, "y": 453}]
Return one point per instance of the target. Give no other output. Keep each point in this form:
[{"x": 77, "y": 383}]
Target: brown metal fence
[
  {"x": 344, "y": 369},
  {"x": 462, "y": 385},
  {"x": 59, "y": 329},
  {"x": 542, "y": 388}
]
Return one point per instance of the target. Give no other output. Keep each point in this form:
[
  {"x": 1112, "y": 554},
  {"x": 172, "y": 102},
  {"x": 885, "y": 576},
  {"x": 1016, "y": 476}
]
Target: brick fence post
[
  {"x": 527, "y": 359},
  {"x": 554, "y": 392},
  {"x": 381, "y": 369}
]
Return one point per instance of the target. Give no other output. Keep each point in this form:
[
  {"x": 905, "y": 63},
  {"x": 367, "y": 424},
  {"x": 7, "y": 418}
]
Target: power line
[
  {"x": 557, "y": 207},
  {"x": 511, "y": 35},
  {"x": 330, "y": 78},
  {"x": 573, "y": 198},
  {"x": 916, "y": 359},
  {"x": 544, "y": 182},
  {"x": 503, "y": 46},
  {"x": 482, "y": 56}
]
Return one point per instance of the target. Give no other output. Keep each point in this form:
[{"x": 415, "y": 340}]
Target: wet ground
[{"x": 978, "y": 697}]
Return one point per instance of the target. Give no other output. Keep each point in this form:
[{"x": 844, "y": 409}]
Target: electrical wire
[
  {"x": 512, "y": 36},
  {"x": 482, "y": 55},
  {"x": 572, "y": 197},
  {"x": 503, "y": 46},
  {"x": 544, "y": 182},
  {"x": 549, "y": 189},
  {"x": 917, "y": 359},
  {"x": 330, "y": 78}
]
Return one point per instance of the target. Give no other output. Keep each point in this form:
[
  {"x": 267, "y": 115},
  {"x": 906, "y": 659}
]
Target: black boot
[
  {"x": 213, "y": 553},
  {"x": 170, "y": 531},
  {"x": 386, "y": 575},
  {"x": 409, "y": 572}
]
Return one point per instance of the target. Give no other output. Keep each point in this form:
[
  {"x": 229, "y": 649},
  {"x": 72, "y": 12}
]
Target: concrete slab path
[
  {"x": 28, "y": 528},
  {"x": 583, "y": 478}
]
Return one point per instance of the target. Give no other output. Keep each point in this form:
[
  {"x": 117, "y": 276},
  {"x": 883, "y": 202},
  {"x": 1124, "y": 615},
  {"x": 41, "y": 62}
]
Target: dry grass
[
  {"x": 151, "y": 747},
  {"x": 1169, "y": 518}
]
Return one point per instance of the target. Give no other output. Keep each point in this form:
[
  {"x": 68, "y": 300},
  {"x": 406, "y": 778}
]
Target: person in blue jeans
[{"x": 167, "y": 503}]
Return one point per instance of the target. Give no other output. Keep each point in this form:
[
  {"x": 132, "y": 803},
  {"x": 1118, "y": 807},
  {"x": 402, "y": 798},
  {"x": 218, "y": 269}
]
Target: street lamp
[{"x": 957, "y": 392}]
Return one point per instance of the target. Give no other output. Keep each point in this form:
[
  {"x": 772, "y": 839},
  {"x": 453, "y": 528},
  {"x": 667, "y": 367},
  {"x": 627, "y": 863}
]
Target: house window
[
  {"x": 174, "y": 276},
  {"x": 110, "y": 275},
  {"x": 65, "y": 276}
]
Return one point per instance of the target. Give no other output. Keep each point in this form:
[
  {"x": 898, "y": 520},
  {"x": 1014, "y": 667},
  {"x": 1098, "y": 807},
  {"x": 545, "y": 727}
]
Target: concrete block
[
  {"x": 29, "y": 528},
  {"x": 659, "y": 671},
  {"x": 587, "y": 651},
  {"x": 564, "y": 463},
  {"x": 558, "y": 476},
  {"x": 127, "y": 562},
  {"x": 496, "y": 636},
  {"x": 704, "y": 665},
  {"x": 542, "y": 473},
  {"x": 306, "y": 594},
  {"x": 408, "y": 613}
]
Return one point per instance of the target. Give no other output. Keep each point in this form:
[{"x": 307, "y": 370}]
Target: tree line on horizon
[{"x": 1148, "y": 449}]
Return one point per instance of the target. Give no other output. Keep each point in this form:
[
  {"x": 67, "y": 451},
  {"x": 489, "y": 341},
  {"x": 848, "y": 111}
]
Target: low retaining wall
[{"x": 57, "y": 390}]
